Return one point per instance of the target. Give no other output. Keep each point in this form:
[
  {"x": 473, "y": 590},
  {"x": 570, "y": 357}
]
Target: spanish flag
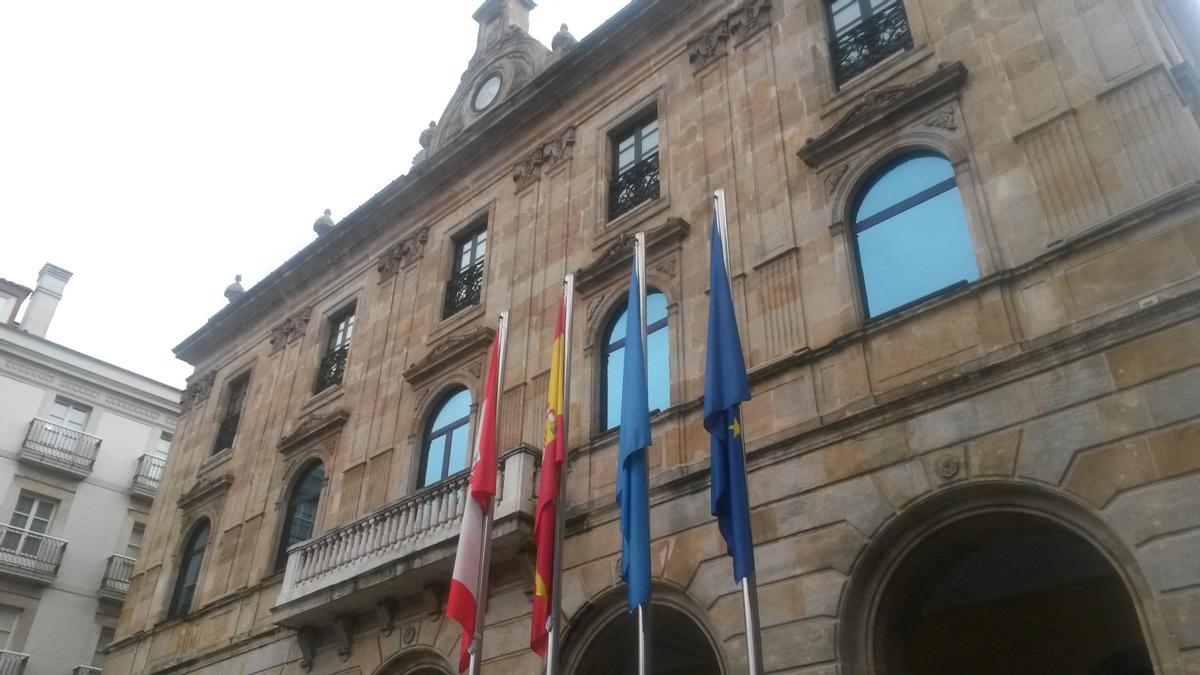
[{"x": 547, "y": 507}]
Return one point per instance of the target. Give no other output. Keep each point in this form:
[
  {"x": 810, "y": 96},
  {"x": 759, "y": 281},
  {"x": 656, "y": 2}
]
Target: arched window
[
  {"x": 301, "y": 514},
  {"x": 189, "y": 570},
  {"x": 910, "y": 232},
  {"x": 446, "y": 449},
  {"x": 657, "y": 359}
]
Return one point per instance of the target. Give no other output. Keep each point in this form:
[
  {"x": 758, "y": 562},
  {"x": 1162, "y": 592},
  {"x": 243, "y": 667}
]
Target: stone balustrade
[{"x": 426, "y": 522}]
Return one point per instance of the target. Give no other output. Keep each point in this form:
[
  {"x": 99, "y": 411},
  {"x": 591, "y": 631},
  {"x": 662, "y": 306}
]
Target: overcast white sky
[{"x": 157, "y": 148}]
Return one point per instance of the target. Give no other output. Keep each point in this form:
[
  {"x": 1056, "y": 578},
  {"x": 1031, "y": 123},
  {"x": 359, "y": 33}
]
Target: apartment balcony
[
  {"x": 402, "y": 549},
  {"x": 60, "y": 448},
  {"x": 145, "y": 479},
  {"x": 29, "y": 556},
  {"x": 117, "y": 574},
  {"x": 12, "y": 663}
]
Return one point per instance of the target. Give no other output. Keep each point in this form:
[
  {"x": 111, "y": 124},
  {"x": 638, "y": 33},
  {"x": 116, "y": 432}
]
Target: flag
[
  {"x": 546, "y": 517},
  {"x": 464, "y": 585},
  {"x": 632, "y": 470},
  {"x": 725, "y": 387}
]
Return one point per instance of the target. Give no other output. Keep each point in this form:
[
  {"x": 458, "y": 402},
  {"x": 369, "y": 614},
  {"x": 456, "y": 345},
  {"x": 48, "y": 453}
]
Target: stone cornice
[
  {"x": 449, "y": 350},
  {"x": 616, "y": 39},
  {"x": 620, "y": 251},
  {"x": 879, "y": 104}
]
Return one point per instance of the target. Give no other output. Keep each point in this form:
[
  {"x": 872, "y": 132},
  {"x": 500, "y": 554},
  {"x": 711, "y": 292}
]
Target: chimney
[
  {"x": 495, "y": 16},
  {"x": 43, "y": 302}
]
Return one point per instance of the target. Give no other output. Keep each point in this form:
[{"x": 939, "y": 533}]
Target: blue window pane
[
  {"x": 458, "y": 450},
  {"x": 433, "y": 458},
  {"x": 919, "y": 250},
  {"x": 657, "y": 359},
  {"x": 613, "y": 380},
  {"x": 456, "y": 407},
  {"x": 902, "y": 181}
]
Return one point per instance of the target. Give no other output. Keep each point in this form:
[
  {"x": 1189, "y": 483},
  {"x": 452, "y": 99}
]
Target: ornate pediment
[
  {"x": 621, "y": 250},
  {"x": 403, "y": 254},
  {"x": 290, "y": 330},
  {"x": 450, "y": 350},
  {"x": 877, "y": 108},
  {"x": 312, "y": 428},
  {"x": 207, "y": 487}
]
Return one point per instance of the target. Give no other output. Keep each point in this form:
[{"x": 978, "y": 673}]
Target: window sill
[
  {"x": 456, "y": 321},
  {"x": 322, "y": 397},
  {"x": 849, "y": 91},
  {"x": 211, "y": 462},
  {"x": 624, "y": 222}
]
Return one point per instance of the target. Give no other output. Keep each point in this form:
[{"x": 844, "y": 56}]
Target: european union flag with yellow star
[{"x": 725, "y": 387}]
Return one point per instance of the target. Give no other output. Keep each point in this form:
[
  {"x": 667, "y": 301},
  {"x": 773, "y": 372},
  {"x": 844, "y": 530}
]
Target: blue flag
[
  {"x": 725, "y": 387},
  {"x": 632, "y": 470}
]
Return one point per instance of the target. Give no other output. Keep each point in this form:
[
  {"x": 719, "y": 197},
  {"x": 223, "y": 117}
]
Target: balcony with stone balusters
[{"x": 403, "y": 549}]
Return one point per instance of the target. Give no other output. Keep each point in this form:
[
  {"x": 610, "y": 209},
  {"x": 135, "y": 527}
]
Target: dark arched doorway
[
  {"x": 681, "y": 646},
  {"x": 1001, "y": 593},
  {"x": 416, "y": 661}
]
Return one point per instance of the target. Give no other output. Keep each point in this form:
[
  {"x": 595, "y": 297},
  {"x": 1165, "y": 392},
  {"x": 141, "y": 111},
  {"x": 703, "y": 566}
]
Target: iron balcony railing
[
  {"x": 878, "y": 36},
  {"x": 148, "y": 474},
  {"x": 86, "y": 670},
  {"x": 30, "y": 553},
  {"x": 637, "y": 184},
  {"x": 332, "y": 368},
  {"x": 55, "y": 444},
  {"x": 117, "y": 574},
  {"x": 12, "y": 663},
  {"x": 464, "y": 288}
]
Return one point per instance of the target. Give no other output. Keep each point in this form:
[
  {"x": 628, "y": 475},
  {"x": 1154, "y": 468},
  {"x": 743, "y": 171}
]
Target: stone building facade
[
  {"x": 82, "y": 448},
  {"x": 965, "y": 254}
]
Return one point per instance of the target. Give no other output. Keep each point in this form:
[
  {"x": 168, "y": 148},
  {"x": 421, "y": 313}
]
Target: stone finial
[
  {"x": 234, "y": 291},
  {"x": 563, "y": 40},
  {"x": 427, "y": 135},
  {"x": 324, "y": 224}
]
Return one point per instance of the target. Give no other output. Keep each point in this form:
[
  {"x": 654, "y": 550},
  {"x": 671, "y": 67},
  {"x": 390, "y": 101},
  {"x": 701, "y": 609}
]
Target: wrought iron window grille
[
  {"x": 636, "y": 184},
  {"x": 872, "y": 40},
  {"x": 332, "y": 368},
  {"x": 464, "y": 288}
]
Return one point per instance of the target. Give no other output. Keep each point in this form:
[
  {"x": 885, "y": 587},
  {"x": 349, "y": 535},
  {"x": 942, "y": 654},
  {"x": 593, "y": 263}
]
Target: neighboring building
[
  {"x": 82, "y": 447},
  {"x": 965, "y": 250}
]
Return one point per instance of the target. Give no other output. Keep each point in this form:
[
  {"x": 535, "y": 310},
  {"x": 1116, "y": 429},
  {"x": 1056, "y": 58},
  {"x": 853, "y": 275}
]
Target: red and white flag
[{"x": 462, "y": 605}]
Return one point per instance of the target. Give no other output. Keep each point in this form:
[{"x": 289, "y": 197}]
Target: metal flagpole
[
  {"x": 645, "y": 634},
  {"x": 749, "y": 585},
  {"x": 560, "y": 509},
  {"x": 485, "y": 558}
]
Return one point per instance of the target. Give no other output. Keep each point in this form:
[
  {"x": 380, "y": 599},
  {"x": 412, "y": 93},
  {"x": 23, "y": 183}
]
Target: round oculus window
[{"x": 486, "y": 94}]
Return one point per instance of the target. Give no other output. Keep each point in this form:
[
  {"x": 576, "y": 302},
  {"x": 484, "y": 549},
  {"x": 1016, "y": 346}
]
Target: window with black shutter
[{"x": 235, "y": 400}]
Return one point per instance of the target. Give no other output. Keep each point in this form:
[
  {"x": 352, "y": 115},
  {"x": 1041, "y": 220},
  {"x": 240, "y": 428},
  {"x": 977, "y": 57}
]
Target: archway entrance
[
  {"x": 681, "y": 646},
  {"x": 1002, "y": 593},
  {"x": 417, "y": 661}
]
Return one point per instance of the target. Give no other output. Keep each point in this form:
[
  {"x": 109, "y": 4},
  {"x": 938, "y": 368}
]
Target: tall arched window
[
  {"x": 658, "y": 365},
  {"x": 446, "y": 449},
  {"x": 189, "y": 570},
  {"x": 301, "y": 514},
  {"x": 910, "y": 232}
]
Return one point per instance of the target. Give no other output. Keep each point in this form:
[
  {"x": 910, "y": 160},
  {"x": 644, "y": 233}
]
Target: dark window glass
[
  {"x": 466, "y": 277},
  {"x": 658, "y": 368},
  {"x": 235, "y": 400},
  {"x": 865, "y": 32},
  {"x": 189, "y": 571},
  {"x": 301, "y": 513},
  {"x": 333, "y": 364},
  {"x": 446, "y": 450},
  {"x": 635, "y": 167},
  {"x": 911, "y": 233}
]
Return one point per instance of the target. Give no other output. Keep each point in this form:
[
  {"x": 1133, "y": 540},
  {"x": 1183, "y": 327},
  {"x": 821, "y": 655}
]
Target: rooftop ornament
[
  {"x": 234, "y": 291},
  {"x": 324, "y": 224}
]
